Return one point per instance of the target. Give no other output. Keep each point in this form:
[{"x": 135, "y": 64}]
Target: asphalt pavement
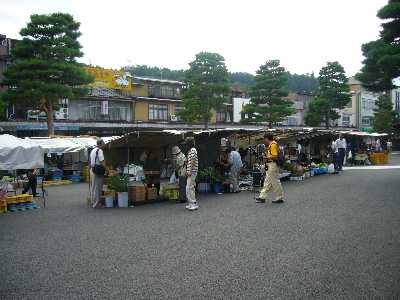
[{"x": 335, "y": 237}]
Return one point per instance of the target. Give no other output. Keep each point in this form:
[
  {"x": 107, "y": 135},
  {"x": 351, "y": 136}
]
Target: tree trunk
[{"x": 50, "y": 119}]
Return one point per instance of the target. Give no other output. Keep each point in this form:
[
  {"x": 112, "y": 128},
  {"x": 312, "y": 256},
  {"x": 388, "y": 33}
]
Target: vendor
[{"x": 32, "y": 182}]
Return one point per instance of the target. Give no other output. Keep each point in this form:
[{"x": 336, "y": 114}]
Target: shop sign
[{"x": 112, "y": 79}]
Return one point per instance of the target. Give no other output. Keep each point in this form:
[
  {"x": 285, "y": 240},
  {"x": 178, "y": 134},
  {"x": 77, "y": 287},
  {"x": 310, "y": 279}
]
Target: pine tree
[
  {"x": 268, "y": 103},
  {"x": 207, "y": 85},
  {"x": 382, "y": 57},
  {"x": 384, "y": 116},
  {"x": 44, "y": 67},
  {"x": 333, "y": 94}
]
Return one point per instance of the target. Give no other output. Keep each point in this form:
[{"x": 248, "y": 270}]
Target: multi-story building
[
  {"x": 6, "y": 45},
  {"x": 300, "y": 100},
  {"x": 359, "y": 112},
  {"x": 119, "y": 97}
]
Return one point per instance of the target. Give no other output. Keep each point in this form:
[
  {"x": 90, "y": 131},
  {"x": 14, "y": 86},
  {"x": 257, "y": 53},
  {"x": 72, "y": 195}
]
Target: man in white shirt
[
  {"x": 96, "y": 180},
  {"x": 341, "y": 151}
]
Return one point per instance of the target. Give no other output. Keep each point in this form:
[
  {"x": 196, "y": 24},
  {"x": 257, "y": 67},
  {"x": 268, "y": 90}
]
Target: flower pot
[
  {"x": 109, "y": 201},
  {"x": 122, "y": 199}
]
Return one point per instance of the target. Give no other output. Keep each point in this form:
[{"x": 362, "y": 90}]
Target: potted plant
[
  {"x": 216, "y": 181},
  {"x": 204, "y": 180},
  {"x": 119, "y": 184}
]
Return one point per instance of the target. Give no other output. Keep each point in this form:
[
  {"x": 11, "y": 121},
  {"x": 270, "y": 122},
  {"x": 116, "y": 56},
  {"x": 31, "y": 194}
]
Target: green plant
[
  {"x": 119, "y": 183},
  {"x": 210, "y": 175}
]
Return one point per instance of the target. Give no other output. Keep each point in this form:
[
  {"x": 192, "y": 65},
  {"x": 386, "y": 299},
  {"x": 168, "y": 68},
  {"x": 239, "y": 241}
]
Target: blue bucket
[{"x": 217, "y": 187}]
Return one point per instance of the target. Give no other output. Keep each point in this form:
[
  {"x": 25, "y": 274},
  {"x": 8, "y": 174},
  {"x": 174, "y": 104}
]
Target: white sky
[{"x": 303, "y": 34}]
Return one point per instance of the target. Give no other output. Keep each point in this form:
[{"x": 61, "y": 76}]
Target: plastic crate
[{"x": 172, "y": 194}]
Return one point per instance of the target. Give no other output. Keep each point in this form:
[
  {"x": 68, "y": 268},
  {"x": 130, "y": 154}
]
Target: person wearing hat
[
  {"x": 179, "y": 162},
  {"x": 96, "y": 178}
]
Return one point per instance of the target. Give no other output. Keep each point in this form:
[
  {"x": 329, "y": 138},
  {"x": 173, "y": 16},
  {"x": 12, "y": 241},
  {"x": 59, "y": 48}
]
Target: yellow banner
[{"x": 112, "y": 79}]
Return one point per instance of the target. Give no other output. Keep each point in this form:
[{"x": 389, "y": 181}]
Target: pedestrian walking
[
  {"x": 272, "y": 180},
  {"x": 179, "y": 162},
  {"x": 191, "y": 173},
  {"x": 97, "y": 171},
  {"x": 235, "y": 165},
  {"x": 335, "y": 156},
  {"x": 341, "y": 150}
]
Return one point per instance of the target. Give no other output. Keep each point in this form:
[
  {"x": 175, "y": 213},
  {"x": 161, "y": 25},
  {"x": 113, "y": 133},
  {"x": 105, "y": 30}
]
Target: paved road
[{"x": 336, "y": 237}]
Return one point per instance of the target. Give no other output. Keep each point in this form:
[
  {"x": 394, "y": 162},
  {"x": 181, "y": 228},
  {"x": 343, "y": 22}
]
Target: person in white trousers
[{"x": 192, "y": 167}]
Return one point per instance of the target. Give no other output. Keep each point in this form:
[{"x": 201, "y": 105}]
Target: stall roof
[
  {"x": 16, "y": 153},
  {"x": 68, "y": 144}
]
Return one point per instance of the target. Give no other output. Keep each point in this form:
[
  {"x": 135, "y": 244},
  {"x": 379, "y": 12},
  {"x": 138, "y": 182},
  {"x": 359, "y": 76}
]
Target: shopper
[
  {"x": 235, "y": 165},
  {"x": 179, "y": 161},
  {"x": 97, "y": 171},
  {"x": 341, "y": 151},
  {"x": 32, "y": 182},
  {"x": 272, "y": 174},
  {"x": 335, "y": 156},
  {"x": 191, "y": 173}
]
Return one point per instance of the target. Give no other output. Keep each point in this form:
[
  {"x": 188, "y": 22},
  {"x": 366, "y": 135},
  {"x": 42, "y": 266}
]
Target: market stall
[
  {"x": 66, "y": 158},
  {"x": 17, "y": 154},
  {"x": 365, "y": 148}
]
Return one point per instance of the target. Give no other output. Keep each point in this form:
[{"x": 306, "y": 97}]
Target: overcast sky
[{"x": 303, "y": 34}]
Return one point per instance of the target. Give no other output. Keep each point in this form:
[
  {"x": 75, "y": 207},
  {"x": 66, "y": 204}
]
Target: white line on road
[{"x": 372, "y": 168}]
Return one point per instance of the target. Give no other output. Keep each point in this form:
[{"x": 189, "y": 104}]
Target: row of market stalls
[{"x": 144, "y": 158}]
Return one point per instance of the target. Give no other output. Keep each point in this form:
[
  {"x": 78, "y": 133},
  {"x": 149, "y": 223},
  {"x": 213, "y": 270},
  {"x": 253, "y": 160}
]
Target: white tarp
[
  {"x": 68, "y": 144},
  {"x": 16, "y": 153}
]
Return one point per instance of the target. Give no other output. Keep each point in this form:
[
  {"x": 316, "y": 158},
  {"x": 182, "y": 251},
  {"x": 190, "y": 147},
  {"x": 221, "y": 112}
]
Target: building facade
[
  {"x": 300, "y": 104},
  {"x": 359, "y": 113}
]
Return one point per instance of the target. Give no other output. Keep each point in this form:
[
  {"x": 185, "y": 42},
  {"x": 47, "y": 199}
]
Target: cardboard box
[
  {"x": 152, "y": 194},
  {"x": 137, "y": 193}
]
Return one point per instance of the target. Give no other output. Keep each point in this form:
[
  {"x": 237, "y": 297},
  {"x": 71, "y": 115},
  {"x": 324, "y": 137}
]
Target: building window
[
  {"x": 366, "y": 121},
  {"x": 346, "y": 120},
  {"x": 164, "y": 91},
  {"x": 292, "y": 121},
  {"x": 94, "y": 111},
  {"x": 397, "y": 101},
  {"x": 178, "y": 108},
  {"x": 158, "y": 112}
]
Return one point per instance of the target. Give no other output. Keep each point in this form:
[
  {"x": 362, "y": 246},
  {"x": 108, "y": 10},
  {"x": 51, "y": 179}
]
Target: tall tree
[
  {"x": 384, "y": 115},
  {"x": 333, "y": 94},
  {"x": 268, "y": 103},
  {"x": 44, "y": 67},
  {"x": 382, "y": 57},
  {"x": 207, "y": 85}
]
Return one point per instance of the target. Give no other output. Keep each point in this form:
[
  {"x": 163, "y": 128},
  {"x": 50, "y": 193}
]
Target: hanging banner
[
  {"x": 112, "y": 79},
  {"x": 104, "y": 107}
]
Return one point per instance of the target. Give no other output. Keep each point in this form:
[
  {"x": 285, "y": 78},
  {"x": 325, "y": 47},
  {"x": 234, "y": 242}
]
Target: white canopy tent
[
  {"x": 16, "y": 153},
  {"x": 68, "y": 144}
]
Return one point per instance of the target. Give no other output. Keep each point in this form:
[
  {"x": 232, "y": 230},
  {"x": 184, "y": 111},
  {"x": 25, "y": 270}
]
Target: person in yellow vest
[{"x": 272, "y": 180}]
